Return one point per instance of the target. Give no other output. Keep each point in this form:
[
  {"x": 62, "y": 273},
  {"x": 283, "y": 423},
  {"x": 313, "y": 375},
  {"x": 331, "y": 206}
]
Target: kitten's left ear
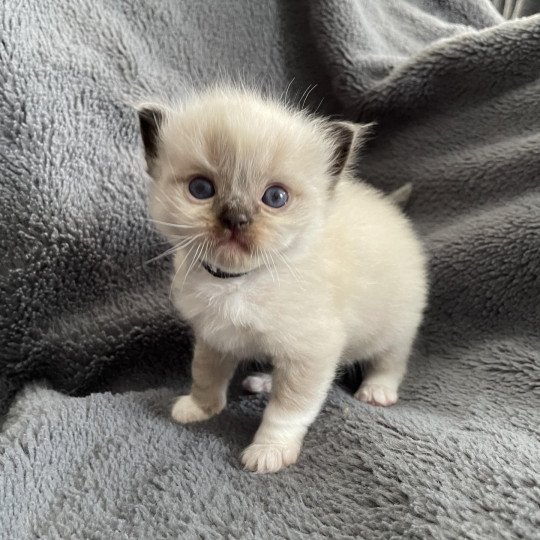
[
  {"x": 346, "y": 137},
  {"x": 150, "y": 122}
]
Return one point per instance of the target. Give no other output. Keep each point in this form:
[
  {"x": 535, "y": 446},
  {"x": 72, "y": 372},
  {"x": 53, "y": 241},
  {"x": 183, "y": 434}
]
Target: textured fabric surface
[
  {"x": 513, "y": 9},
  {"x": 456, "y": 94}
]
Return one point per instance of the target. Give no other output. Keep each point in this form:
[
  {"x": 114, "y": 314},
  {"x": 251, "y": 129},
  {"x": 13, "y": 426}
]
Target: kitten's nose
[{"x": 233, "y": 219}]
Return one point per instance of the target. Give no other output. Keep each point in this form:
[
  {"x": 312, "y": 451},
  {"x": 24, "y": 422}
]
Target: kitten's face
[{"x": 239, "y": 181}]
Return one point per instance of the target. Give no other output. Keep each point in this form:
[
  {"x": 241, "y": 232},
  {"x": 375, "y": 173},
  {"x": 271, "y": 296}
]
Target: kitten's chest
[{"x": 227, "y": 316}]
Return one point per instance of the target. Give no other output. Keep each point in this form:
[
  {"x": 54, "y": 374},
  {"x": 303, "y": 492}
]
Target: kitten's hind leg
[
  {"x": 258, "y": 383},
  {"x": 383, "y": 376}
]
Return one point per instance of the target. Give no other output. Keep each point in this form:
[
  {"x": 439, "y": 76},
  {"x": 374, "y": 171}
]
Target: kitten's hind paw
[
  {"x": 377, "y": 394},
  {"x": 269, "y": 458},
  {"x": 258, "y": 383},
  {"x": 186, "y": 410}
]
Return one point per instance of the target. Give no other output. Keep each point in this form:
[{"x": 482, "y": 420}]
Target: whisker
[
  {"x": 204, "y": 251},
  {"x": 270, "y": 266},
  {"x": 174, "y": 203},
  {"x": 257, "y": 255},
  {"x": 260, "y": 258},
  {"x": 176, "y": 225},
  {"x": 178, "y": 270},
  {"x": 180, "y": 245},
  {"x": 176, "y": 207},
  {"x": 195, "y": 259},
  {"x": 160, "y": 243},
  {"x": 266, "y": 264},
  {"x": 318, "y": 106},
  {"x": 293, "y": 272},
  {"x": 164, "y": 254},
  {"x": 250, "y": 258},
  {"x": 203, "y": 258},
  {"x": 285, "y": 95},
  {"x": 305, "y": 95},
  {"x": 299, "y": 278},
  {"x": 170, "y": 199},
  {"x": 275, "y": 268}
]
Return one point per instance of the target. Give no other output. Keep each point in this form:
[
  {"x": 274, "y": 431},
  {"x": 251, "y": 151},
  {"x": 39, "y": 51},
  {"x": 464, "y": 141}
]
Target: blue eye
[
  {"x": 201, "y": 188},
  {"x": 275, "y": 196}
]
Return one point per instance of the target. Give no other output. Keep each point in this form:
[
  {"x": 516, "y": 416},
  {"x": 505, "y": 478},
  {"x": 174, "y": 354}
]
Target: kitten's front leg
[
  {"x": 211, "y": 373},
  {"x": 298, "y": 393}
]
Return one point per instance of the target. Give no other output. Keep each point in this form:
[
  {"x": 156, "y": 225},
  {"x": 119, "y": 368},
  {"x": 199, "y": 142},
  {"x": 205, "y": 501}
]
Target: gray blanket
[{"x": 455, "y": 92}]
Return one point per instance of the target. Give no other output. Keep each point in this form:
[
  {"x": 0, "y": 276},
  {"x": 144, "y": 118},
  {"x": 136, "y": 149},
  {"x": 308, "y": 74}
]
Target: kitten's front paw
[
  {"x": 187, "y": 410},
  {"x": 377, "y": 394},
  {"x": 269, "y": 458}
]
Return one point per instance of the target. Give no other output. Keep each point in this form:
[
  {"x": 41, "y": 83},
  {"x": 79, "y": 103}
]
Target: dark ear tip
[
  {"x": 342, "y": 128},
  {"x": 150, "y": 121},
  {"x": 343, "y": 134},
  {"x": 148, "y": 114}
]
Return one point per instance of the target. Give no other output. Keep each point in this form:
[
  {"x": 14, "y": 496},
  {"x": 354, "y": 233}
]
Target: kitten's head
[{"x": 238, "y": 177}]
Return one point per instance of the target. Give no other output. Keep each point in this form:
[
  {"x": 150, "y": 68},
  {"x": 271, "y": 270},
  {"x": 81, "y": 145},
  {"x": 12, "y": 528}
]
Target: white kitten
[{"x": 280, "y": 254}]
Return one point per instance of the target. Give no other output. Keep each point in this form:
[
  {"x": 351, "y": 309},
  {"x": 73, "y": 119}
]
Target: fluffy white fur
[{"x": 336, "y": 276}]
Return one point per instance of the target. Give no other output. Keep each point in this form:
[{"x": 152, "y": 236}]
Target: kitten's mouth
[
  {"x": 235, "y": 240},
  {"x": 217, "y": 272},
  {"x": 233, "y": 251}
]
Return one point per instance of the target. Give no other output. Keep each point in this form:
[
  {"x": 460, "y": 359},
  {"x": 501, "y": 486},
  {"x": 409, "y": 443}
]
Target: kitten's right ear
[
  {"x": 150, "y": 122},
  {"x": 346, "y": 137},
  {"x": 343, "y": 135}
]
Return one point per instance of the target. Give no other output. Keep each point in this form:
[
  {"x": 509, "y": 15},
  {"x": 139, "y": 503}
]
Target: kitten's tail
[{"x": 401, "y": 195}]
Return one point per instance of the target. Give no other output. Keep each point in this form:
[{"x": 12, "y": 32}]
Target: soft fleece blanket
[{"x": 88, "y": 451}]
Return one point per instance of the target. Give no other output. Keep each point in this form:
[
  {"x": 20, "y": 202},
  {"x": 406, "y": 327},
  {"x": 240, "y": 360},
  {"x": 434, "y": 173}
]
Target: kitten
[{"x": 279, "y": 254}]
